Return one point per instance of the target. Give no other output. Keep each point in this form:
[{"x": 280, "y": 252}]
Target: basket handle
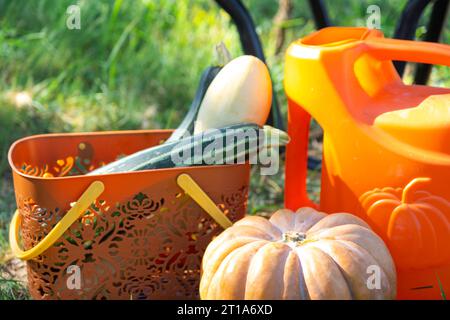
[
  {"x": 184, "y": 181},
  {"x": 192, "y": 189},
  {"x": 83, "y": 203}
]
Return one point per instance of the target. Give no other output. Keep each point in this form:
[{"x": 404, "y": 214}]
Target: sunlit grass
[{"x": 13, "y": 290}]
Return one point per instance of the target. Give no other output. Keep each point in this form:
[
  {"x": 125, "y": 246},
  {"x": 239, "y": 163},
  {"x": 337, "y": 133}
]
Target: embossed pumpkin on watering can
[{"x": 386, "y": 145}]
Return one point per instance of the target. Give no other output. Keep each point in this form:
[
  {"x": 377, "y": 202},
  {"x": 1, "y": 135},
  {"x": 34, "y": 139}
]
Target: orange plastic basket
[{"x": 136, "y": 235}]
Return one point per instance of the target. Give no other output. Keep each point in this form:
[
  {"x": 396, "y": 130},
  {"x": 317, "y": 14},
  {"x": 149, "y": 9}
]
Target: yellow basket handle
[
  {"x": 86, "y": 199},
  {"x": 198, "y": 195},
  {"x": 184, "y": 181}
]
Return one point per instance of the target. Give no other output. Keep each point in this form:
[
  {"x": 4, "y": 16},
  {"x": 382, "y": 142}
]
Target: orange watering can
[{"x": 386, "y": 145}]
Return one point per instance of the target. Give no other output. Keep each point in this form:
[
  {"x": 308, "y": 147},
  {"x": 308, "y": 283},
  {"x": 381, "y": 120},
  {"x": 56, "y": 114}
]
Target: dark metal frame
[
  {"x": 241, "y": 17},
  {"x": 320, "y": 13},
  {"x": 406, "y": 29},
  {"x": 407, "y": 25},
  {"x": 251, "y": 44},
  {"x": 434, "y": 31}
]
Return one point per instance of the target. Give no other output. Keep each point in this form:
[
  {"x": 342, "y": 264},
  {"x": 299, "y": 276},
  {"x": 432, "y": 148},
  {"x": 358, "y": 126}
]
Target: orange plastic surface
[
  {"x": 144, "y": 235},
  {"x": 386, "y": 148}
]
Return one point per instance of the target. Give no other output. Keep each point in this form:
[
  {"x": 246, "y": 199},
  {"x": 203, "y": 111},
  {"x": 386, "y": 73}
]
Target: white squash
[{"x": 241, "y": 92}]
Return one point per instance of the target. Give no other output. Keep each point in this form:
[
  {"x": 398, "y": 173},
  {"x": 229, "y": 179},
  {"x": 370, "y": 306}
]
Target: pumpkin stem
[
  {"x": 406, "y": 190},
  {"x": 293, "y": 236}
]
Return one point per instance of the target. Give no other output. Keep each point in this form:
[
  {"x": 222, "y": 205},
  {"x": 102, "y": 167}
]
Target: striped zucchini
[{"x": 231, "y": 144}]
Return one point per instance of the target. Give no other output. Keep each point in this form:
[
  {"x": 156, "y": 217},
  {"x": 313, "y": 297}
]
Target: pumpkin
[
  {"x": 240, "y": 93},
  {"x": 414, "y": 223},
  {"x": 298, "y": 255}
]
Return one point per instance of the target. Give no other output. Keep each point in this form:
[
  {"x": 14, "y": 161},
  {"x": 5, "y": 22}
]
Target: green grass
[
  {"x": 441, "y": 288},
  {"x": 13, "y": 290},
  {"x": 135, "y": 64}
]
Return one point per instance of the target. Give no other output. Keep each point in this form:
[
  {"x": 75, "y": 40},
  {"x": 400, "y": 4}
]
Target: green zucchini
[{"x": 232, "y": 144}]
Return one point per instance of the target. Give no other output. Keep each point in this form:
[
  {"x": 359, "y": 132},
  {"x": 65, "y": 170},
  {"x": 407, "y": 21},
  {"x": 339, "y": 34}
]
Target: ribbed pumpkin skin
[
  {"x": 413, "y": 222},
  {"x": 250, "y": 260}
]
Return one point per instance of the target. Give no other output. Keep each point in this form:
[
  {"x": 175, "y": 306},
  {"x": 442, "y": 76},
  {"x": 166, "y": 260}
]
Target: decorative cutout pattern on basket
[
  {"x": 148, "y": 247},
  {"x": 80, "y": 164}
]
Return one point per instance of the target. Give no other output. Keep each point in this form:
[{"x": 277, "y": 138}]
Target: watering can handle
[
  {"x": 382, "y": 49},
  {"x": 407, "y": 50}
]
